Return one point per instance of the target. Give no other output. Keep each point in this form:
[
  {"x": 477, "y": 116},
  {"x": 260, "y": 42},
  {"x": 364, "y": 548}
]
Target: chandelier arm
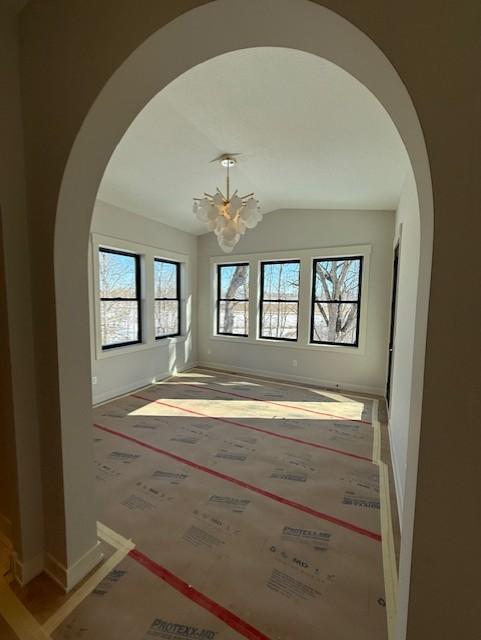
[
  {"x": 227, "y": 182},
  {"x": 233, "y": 227}
]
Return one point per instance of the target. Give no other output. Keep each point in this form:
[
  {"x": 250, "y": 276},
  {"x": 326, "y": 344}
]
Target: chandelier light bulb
[
  {"x": 235, "y": 204},
  {"x": 218, "y": 199},
  {"x": 212, "y": 213},
  {"x": 228, "y": 216}
]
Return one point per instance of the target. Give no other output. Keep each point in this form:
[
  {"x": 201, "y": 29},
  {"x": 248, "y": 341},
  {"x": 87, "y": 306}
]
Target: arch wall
[{"x": 298, "y": 24}]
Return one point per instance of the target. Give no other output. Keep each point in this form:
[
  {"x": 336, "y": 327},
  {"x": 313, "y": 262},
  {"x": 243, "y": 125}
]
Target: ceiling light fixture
[{"x": 228, "y": 216}]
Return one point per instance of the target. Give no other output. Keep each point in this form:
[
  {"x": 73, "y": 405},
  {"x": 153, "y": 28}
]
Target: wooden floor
[{"x": 257, "y": 510}]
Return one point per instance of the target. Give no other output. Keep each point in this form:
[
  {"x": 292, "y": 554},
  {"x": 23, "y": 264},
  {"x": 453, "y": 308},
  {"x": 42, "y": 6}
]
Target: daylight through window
[
  {"x": 279, "y": 300},
  {"x": 119, "y": 284},
  {"x": 233, "y": 299},
  {"x": 167, "y": 298},
  {"x": 336, "y": 298}
]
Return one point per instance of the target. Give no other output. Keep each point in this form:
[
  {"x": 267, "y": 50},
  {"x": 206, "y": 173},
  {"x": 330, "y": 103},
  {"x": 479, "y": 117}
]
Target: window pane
[
  {"x": 118, "y": 321},
  {"x": 279, "y": 320},
  {"x": 117, "y": 275},
  {"x": 281, "y": 280},
  {"x": 338, "y": 279},
  {"x": 335, "y": 323},
  {"x": 233, "y": 317},
  {"x": 165, "y": 279},
  {"x": 166, "y": 318},
  {"x": 234, "y": 281}
]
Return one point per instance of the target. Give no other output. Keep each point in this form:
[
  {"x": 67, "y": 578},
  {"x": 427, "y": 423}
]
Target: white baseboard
[
  {"x": 168, "y": 374},
  {"x": 318, "y": 382},
  {"x": 397, "y": 477},
  {"x": 69, "y": 577},
  {"x": 28, "y": 569},
  {"x": 137, "y": 384},
  {"x": 122, "y": 390}
]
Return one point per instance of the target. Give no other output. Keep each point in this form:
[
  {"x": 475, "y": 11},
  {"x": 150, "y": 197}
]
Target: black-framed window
[
  {"x": 279, "y": 300},
  {"x": 233, "y": 299},
  {"x": 120, "y": 301},
  {"x": 336, "y": 301},
  {"x": 167, "y": 298}
]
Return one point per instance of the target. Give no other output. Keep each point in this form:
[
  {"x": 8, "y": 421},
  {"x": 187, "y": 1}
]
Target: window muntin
[
  {"x": 120, "y": 303},
  {"x": 279, "y": 300},
  {"x": 336, "y": 301},
  {"x": 233, "y": 299},
  {"x": 166, "y": 298}
]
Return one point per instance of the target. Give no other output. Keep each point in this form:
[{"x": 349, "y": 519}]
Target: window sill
[
  {"x": 341, "y": 349},
  {"x": 143, "y": 346}
]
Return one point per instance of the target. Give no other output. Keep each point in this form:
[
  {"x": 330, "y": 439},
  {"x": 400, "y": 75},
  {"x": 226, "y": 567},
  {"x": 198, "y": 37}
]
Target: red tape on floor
[
  {"x": 236, "y": 623},
  {"x": 252, "y": 428},
  {"x": 274, "y": 402},
  {"x": 241, "y": 483}
]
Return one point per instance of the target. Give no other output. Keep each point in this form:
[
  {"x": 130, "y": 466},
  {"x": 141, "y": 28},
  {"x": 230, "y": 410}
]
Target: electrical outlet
[
  {"x": 94, "y": 379},
  {"x": 209, "y": 351},
  {"x": 294, "y": 363}
]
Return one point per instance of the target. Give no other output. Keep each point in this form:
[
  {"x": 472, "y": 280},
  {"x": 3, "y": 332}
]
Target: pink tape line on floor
[
  {"x": 252, "y": 428},
  {"x": 236, "y": 623},
  {"x": 241, "y": 483},
  {"x": 274, "y": 402}
]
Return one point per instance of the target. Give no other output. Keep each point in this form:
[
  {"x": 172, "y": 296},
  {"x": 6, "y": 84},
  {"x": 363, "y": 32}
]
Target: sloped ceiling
[{"x": 310, "y": 137}]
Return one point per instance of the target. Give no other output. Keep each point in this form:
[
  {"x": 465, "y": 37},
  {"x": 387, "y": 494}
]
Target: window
[
  {"x": 279, "y": 300},
  {"x": 167, "y": 298},
  {"x": 120, "y": 307},
  {"x": 336, "y": 301},
  {"x": 233, "y": 299}
]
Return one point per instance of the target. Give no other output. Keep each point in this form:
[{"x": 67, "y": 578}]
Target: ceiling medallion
[{"x": 228, "y": 216}]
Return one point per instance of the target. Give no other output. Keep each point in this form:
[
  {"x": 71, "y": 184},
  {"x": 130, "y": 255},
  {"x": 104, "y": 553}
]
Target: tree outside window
[
  {"x": 119, "y": 283},
  {"x": 233, "y": 299},
  {"x": 336, "y": 297},
  {"x": 279, "y": 299}
]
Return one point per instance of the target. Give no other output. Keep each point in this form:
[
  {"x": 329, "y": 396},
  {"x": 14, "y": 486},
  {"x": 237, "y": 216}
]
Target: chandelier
[{"x": 228, "y": 216}]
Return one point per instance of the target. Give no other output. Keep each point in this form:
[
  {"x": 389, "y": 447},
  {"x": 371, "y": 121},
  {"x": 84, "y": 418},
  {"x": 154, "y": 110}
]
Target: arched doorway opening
[{"x": 163, "y": 57}]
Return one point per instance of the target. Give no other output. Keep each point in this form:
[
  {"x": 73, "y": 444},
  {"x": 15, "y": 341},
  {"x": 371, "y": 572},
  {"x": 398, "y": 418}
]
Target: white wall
[
  {"x": 121, "y": 370},
  {"x": 407, "y": 233},
  {"x": 288, "y": 230},
  {"x": 21, "y": 499}
]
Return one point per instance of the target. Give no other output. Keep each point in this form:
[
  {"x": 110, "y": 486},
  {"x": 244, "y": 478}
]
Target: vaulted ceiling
[{"x": 309, "y": 136}]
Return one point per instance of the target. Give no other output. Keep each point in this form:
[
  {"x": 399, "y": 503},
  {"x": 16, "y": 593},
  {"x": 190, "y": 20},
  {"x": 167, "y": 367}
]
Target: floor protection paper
[{"x": 254, "y": 508}]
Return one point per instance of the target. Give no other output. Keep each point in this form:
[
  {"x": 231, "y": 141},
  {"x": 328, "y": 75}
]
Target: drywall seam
[{"x": 327, "y": 384}]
